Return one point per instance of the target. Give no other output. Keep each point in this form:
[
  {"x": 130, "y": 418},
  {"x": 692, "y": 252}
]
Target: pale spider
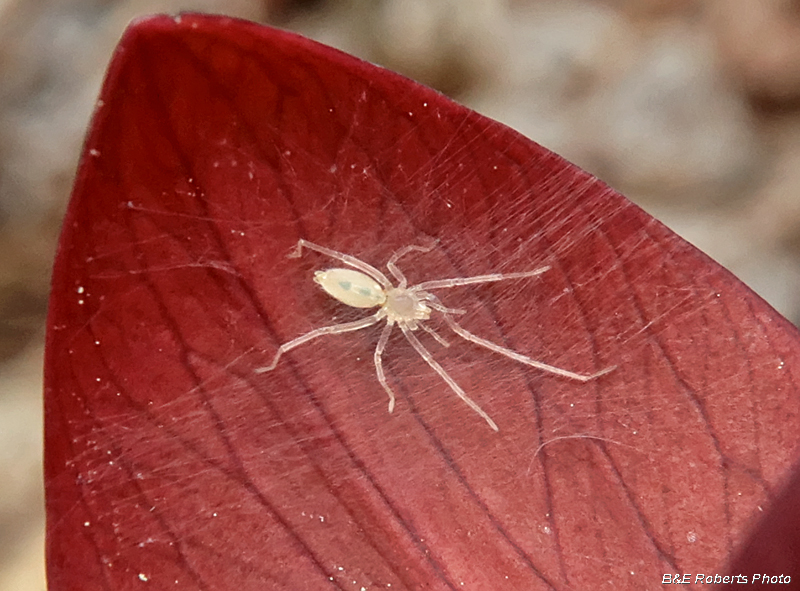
[{"x": 408, "y": 307}]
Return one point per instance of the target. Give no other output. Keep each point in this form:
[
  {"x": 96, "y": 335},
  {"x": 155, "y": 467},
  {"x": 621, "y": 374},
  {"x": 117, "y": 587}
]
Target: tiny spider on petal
[{"x": 364, "y": 286}]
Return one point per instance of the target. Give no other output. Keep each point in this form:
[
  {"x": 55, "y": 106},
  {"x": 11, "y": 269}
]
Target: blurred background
[{"x": 691, "y": 108}]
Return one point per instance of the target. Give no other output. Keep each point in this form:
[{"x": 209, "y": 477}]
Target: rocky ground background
[{"x": 691, "y": 108}]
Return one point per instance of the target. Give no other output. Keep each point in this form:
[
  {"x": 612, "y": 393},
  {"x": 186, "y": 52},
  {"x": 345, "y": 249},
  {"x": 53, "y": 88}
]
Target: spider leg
[
  {"x": 392, "y": 264},
  {"x": 318, "y": 332},
  {"x": 437, "y": 304},
  {"x": 378, "y": 357},
  {"x": 345, "y": 258},
  {"x": 434, "y": 334},
  {"x": 462, "y": 332},
  {"x": 458, "y": 281},
  {"x": 425, "y": 354}
]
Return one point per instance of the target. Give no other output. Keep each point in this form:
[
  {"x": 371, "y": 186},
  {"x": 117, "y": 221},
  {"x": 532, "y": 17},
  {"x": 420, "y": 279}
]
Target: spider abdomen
[{"x": 351, "y": 287}]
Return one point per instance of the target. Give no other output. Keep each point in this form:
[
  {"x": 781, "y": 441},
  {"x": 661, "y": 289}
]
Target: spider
[{"x": 364, "y": 286}]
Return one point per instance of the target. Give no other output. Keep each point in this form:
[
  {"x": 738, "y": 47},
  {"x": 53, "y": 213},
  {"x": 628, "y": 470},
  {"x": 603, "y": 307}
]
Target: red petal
[{"x": 170, "y": 459}]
